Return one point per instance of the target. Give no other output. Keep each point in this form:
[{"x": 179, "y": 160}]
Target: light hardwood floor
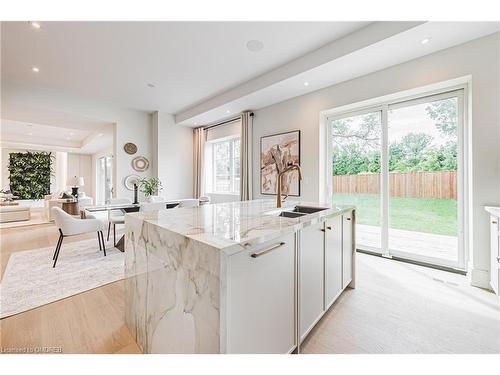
[
  {"x": 396, "y": 308},
  {"x": 403, "y": 308},
  {"x": 90, "y": 322}
]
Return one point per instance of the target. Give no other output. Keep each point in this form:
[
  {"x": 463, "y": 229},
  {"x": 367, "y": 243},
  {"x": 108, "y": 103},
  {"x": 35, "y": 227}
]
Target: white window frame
[
  {"x": 459, "y": 88},
  {"x": 234, "y": 186}
]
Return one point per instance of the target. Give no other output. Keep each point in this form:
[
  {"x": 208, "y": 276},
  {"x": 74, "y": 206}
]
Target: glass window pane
[
  {"x": 356, "y": 155},
  {"x": 423, "y": 217}
]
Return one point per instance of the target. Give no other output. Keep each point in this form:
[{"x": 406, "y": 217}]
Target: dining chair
[
  {"x": 70, "y": 226},
  {"x": 116, "y": 216}
]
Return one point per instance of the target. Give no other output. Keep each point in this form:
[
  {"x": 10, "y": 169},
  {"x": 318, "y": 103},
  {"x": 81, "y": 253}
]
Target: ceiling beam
[{"x": 371, "y": 34}]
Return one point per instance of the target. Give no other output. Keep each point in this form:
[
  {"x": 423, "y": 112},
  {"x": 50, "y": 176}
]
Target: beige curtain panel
[
  {"x": 199, "y": 137},
  {"x": 246, "y": 156}
]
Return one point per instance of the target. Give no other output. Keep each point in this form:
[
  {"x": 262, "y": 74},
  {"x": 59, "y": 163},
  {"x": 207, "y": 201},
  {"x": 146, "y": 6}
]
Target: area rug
[{"x": 29, "y": 280}]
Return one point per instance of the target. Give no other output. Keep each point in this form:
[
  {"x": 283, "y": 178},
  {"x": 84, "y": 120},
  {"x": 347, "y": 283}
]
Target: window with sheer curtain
[
  {"x": 226, "y": 166},
  {"x": 222, "y": 159}
]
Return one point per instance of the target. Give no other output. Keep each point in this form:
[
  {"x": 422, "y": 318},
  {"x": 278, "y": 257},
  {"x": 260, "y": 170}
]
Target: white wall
[
  {"x": 130, "y": 125},
  {"x": 479, "y": 58},
  {"x": 172, "y": 147},
  {"x": 81, "y": 166}
]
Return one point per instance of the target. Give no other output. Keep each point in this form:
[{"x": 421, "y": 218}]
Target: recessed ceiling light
[
  {"x": 228, "y": 111},
  {"x": 306, "y": 83},
  {"x": 30, "y": 134},
  {"x": 35, "y": 69},
  {"x": 151, "y": 85},
  {"x": 100, "y": 134},
  {"x": 255, "y": 45},
  {"x": 71, "y": 133},
  {"x": 35, "y": 25},
  {"x": 425, "y": 41},
  {"x": 196, "y": 123},
  {"x": 67, "y": 138}
]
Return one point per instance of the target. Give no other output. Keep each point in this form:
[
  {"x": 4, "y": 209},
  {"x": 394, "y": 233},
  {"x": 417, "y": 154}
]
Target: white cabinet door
[
  {"x": 311, "y": 277},
  {"x": 347, "y": 249},
  {"x": 495, "y": 253},
  {"x": 333, "y": 259},
  {"x": 261, "y": 298}
]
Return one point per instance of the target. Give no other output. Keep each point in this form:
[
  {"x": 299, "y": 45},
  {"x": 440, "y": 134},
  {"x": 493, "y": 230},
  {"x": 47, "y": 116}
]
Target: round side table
[{"x": 71, "y": 208}]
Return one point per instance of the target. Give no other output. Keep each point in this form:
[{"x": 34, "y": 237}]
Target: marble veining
[
  {"x": 175, "y": 268},
  {"x": 236, "y": 225}
]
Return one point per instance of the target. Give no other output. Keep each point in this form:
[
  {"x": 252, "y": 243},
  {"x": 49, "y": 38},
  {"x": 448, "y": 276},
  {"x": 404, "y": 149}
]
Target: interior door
[{"x": 104, "y": 179}]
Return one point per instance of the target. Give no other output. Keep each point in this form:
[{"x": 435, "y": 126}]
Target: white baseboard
[{"x": 479, "y": 278}]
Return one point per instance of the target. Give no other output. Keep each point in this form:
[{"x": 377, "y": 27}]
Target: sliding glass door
[
  {"x": 402, "y": 166},
  {"x": 356, "y": 160}
]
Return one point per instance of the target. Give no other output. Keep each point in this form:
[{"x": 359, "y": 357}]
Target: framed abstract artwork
[{"x": 278, "y": 151}]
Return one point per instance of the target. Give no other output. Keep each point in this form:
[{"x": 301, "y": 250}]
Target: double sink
[{"x": 299, "y": 211}]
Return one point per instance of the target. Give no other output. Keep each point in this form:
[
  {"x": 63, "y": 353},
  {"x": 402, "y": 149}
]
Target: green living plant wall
[{"x": 30, "y": 174}]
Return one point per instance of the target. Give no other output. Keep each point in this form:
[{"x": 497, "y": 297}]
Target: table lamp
[{"x": 75, "y": 182}]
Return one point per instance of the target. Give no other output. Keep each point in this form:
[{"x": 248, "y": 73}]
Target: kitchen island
[{"x": 240, "y": 277}]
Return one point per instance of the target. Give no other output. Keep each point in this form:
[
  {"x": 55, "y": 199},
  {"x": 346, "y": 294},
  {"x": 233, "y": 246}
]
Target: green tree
[
  {"x": 356, "y": 145},
  {"x": 444, "y": 112}
]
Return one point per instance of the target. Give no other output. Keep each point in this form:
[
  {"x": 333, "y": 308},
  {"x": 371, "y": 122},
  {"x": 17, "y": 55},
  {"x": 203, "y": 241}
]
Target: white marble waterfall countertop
[{"x": 224, "y": 225}]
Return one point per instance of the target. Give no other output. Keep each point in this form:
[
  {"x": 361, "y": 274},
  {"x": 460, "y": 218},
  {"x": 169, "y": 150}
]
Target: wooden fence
[{"x": 442, "y": 185}]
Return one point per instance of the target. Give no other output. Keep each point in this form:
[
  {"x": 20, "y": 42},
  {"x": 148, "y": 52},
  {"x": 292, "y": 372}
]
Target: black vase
[{"x": 136, "y": 201}]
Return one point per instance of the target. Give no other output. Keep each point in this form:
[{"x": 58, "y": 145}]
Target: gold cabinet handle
[
  {"x": 263, "y": 252},
  {"x": 493, "y": 222},
  {"x": 348, "y": 218},
  {"x": 329, "y": 228}
]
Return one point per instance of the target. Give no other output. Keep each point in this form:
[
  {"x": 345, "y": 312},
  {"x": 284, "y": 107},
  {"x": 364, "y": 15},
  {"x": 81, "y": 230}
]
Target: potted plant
[{"x": 150, "y": 187}]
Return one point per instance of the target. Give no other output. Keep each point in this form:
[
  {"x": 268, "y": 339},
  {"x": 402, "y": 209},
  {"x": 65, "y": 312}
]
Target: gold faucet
[{"x": 280, "y": 175}]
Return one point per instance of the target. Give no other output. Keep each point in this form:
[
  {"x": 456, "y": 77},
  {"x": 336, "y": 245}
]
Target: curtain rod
[{"x": 223, "y": 122}]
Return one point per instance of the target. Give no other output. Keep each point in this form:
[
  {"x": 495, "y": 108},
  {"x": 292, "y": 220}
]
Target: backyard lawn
[{"x": 438, "y": 216}]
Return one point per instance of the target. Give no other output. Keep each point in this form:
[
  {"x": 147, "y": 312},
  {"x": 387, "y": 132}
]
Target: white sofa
[{"x": 14, "y": 213}]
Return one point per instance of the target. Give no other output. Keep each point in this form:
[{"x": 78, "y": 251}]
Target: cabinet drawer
[{"x": 261, "y": 298}]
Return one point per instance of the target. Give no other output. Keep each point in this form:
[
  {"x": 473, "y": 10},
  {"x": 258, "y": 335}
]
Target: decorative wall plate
[
  {"x": 130, "y": 148},
  {"x": 130, "y": 180},
  {"x": 140, "y": 164}
]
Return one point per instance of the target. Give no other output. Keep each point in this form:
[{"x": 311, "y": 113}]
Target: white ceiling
[
  {"x": 202, "y": 71},
  {"x": 81, "y": 137},
  {"x": 187, "y": 62},
  {"x": 375, "y": 47}
]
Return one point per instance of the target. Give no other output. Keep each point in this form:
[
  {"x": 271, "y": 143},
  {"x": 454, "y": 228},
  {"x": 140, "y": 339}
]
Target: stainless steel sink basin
[
  {"x": 307, "y": 209},
  {"x": 291, "y": 214},
  {"x": 297, "y": 211}
]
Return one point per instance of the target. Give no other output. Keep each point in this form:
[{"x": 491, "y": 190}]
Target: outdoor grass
[{"x": 437, "y": 216}]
